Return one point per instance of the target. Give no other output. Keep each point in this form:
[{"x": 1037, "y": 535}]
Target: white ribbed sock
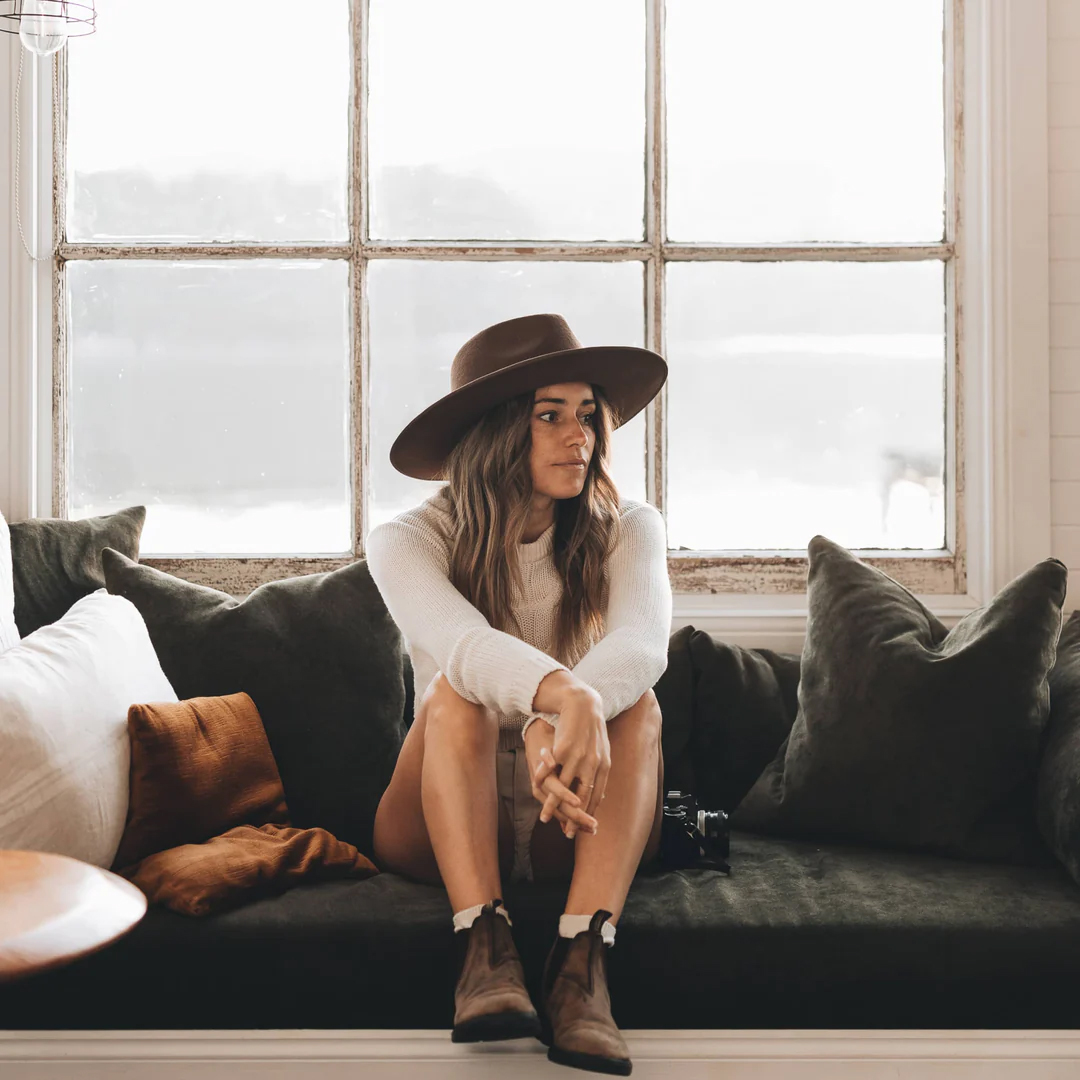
[
  {"x": 464, "y": 919},
  {"x": 572, "y": 925}
]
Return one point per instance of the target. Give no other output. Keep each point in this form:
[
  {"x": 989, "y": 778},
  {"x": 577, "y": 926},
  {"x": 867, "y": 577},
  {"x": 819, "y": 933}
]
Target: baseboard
[{"x": 392, "y": 1055}]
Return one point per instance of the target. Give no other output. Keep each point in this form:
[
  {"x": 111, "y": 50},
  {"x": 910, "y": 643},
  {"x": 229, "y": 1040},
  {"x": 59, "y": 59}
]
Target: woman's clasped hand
[{"x": 577, "y": 750}]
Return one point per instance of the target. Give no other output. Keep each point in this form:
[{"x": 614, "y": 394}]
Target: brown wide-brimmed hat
[{"x": 508, "y": 359}]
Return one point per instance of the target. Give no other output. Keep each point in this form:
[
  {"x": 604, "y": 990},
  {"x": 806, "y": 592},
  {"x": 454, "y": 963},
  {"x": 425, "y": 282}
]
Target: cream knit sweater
[{"x": 409, "y": 561}]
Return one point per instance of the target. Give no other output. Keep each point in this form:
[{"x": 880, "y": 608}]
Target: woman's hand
[
  {"x": 582, "y": 748},
  {"x": 547, "y": 788},
  {"x": 558, "y": 801},
  {"x": 578, "y": 750}
]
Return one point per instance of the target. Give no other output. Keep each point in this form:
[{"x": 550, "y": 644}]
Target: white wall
[{"x": 1063, "y": 90}]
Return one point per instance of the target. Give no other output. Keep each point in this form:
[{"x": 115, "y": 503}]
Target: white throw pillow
[
  {"x": 65, "y": 758},
  {"x": 9, "y": 632}
]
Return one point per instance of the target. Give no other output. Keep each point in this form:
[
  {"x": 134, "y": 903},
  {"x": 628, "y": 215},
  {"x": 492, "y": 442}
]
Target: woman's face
[{"x": 562, "y": 419}]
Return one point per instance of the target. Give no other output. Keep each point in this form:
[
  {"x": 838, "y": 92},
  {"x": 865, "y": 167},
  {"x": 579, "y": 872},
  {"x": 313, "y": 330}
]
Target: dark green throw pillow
[
  {"x": 1058, "y": 785},
  {"x": 726, "y": 709},
  {"x": 321, "y": 658},
  {"x": 908, "y": 734},
  {"x": 675, "y": 695},
  {"x": 55, "y": 561}
]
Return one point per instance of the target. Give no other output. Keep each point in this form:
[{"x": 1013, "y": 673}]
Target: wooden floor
[{"x": 397, "y": 1055}]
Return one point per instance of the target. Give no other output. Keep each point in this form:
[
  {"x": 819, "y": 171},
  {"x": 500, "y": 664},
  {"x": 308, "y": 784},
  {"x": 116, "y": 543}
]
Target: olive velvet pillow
[
  {"x": 320, "y": 657},
  {"x": 908, "y": 734},
  {"x": 726, "y": 709},
  {"x": 55, "y": 562}
]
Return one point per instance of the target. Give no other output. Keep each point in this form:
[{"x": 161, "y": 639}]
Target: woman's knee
[
  {"x": 642, "y": 721},
  {"x": 446, "y": 711}
]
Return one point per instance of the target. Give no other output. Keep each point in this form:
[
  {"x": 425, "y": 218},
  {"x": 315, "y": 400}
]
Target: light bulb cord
[{"x": 18, "y": 149}]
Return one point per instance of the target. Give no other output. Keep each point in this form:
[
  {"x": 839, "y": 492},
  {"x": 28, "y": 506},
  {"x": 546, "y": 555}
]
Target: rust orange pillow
[
  {"x": 243, "y": 864},
  {"x": 198, "y": 767}
]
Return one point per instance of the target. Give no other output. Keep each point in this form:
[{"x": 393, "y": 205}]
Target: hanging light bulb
[{"x": 43, "y": 26}]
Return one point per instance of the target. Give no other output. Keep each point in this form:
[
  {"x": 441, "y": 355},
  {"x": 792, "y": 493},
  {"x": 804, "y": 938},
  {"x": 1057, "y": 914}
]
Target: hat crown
[{"x": 510, "y": 342}]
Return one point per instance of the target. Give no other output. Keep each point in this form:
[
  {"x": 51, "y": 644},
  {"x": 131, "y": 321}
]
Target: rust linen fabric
[
  {"x": 198, "y": 767},
  {"x": 244, "y": 864}
]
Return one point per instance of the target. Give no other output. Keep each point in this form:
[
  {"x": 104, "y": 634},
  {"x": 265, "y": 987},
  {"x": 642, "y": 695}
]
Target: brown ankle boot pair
[
  {"x": 490, "y": 999},
  {"x": 576, "y": 1022}
]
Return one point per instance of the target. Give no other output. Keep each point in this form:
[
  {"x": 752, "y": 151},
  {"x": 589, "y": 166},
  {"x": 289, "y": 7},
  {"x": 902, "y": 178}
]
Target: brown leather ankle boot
[
  {"x": 490, "y": 999},
  {"x": 576, "y": 1021}
]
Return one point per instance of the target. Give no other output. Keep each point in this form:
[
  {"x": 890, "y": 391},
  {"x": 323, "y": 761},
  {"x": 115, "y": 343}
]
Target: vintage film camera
[{"x": 692, "y": 838}]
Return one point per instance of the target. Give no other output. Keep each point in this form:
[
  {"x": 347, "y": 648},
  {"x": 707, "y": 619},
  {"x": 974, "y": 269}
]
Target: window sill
[{"x": 756, "y": 620}]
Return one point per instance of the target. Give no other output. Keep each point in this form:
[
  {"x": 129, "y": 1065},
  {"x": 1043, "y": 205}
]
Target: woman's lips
[{"x": 570, "y": 465}]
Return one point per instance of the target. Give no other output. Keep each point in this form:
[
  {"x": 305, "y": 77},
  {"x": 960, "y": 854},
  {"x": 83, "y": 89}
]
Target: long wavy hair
[{"x": 488, "y": 483}]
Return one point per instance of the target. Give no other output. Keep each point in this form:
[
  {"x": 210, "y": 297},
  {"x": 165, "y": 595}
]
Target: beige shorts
[{"x": 515, "y": 793}]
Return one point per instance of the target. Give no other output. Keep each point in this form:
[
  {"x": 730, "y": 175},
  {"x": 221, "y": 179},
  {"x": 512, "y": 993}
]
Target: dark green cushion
[
  {"x": 800, "y": 935},
  {"x": 55, "y": 562},
  {"x": 320, "y": 657},
  {"x": 1058, "y": 787},
  {"x": 908, "y": 734},
  {"x": 725, "y": 711}
]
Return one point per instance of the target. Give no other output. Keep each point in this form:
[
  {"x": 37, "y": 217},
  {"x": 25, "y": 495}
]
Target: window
[{"x": 272, "y": 250}]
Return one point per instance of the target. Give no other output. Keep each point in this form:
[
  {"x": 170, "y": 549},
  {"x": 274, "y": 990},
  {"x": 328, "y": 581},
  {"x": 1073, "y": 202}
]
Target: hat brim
[{"x": 631, "y": 377}]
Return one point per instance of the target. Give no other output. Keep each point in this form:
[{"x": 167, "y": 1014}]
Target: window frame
[{"x": 999, "y": 290}]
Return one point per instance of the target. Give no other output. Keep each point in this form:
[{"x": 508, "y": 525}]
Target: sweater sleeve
[
  {"x": 484, "y": 665},
  {"x": 633, "y": 653}
]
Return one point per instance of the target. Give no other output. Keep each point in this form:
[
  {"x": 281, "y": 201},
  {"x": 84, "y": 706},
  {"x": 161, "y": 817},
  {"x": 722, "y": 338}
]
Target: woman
[{"x": 526, "y": 589}]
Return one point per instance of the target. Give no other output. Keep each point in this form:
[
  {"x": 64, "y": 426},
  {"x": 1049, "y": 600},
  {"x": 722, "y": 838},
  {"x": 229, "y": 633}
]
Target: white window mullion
[
  {"x": 60, "y": 352},
  {"x": 655, "y": 238},
  {"x": 955, "y": 504},
  {"x": 359, "y": 425}
]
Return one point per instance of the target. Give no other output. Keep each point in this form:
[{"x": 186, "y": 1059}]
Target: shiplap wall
[{"x": 1063, "y": 28}]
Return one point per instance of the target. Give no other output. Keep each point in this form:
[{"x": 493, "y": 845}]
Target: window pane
[
  {"x": 792, "y": 121},
  {"x": 423, "y": 311},
  {"x": 187, "y": 128},
  {"x": 217, "y": 394},
  {"x": 522, "y": 121},
  {"x": 804, "y": 398}
]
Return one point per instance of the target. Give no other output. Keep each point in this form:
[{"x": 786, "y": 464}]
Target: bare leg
[
  {"x": 459, "y": 800},
  {"x": 628, "y": 818},
  {"x": 438, "y": 819}
]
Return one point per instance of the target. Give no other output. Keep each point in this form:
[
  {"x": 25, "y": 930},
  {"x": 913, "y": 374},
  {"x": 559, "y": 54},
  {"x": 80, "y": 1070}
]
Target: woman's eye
[{"x": 552, "y": 412}]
